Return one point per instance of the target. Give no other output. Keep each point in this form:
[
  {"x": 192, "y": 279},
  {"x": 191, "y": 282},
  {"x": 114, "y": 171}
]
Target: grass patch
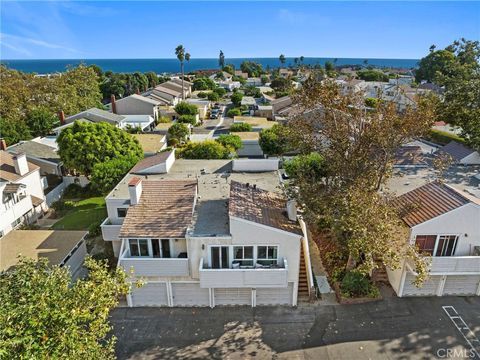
[{"x": 84, "y": 213}]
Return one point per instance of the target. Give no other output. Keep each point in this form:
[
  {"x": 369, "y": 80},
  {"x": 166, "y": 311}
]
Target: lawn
[{"x": 85, "y": 213}]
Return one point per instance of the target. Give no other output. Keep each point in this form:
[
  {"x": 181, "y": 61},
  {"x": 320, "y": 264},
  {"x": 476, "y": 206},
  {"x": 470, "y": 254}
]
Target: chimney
[
  {"x": 114, "y": 105},
  {"x": 61, "y": 116},
  {"x": 292, "y": 210},
  {"x": 3, "y": 144},
  {"x": 20, "y": 163},
  {"x": 135, "y": 190}
]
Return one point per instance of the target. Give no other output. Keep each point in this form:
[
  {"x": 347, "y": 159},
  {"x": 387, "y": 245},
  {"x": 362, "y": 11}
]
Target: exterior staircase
[
  {"x": 303, "y": 295},
  {"x": 379, "y": 275}
]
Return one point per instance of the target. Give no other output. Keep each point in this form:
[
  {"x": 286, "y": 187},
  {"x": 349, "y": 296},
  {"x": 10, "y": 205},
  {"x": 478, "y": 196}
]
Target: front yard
[{"x": 83, "y": 214}]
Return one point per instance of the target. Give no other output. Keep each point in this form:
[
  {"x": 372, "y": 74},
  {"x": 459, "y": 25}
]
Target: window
[
  {"x": 243, "y": 255},
  {"x": 121, "y": 212},
  {"x": 426, "y": 243},
  {"x": 446, "y": 245},
  {"x": 138, "y": 247},
  {"x": 267, "y": 255}
]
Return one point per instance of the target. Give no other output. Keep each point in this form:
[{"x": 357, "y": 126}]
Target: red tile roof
[
  {"x": 260, "y": 206},
  {"x": 429, "y": 201}
]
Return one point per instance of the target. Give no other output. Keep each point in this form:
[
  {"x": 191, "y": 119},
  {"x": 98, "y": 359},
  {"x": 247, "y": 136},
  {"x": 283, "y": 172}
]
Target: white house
[
  {"x": 444, "y": 225},
  {"x": 203, "y": 235},
  {"x": 91, "y": 115},
  {"x": 21, "y": 186},
  {"x": 460, "y": 153},
  {"x": 136, "y": 105}
]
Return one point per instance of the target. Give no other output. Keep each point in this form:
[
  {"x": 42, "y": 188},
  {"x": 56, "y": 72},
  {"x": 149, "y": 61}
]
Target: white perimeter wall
[{"x": 255, "y": 165}]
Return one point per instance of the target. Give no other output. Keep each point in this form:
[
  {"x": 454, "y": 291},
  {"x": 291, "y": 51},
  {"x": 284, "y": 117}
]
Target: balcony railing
[
  {"x": 146, "y": 266},
  {"x": 235, "y": 278},
  {"x": 455, "y": 265},
  {"x": 109, "y": 231}
]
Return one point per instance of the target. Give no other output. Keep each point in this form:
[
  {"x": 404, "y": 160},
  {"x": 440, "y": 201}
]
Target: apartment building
[{"x": 200, "y": 234}]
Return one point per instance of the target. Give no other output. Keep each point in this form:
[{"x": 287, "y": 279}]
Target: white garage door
[
  {"x": 275, "y": 296},
  {"x": 461, "y": 285},
  {"x": 188, "y": 294},
  {"x": 150, "y": 294},
  {"x": 429, "y": 287},
  {"x": 233, "y": 296}
]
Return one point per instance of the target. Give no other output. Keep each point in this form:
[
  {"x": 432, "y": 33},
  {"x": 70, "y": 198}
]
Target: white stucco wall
[{"x": 132, "y": 106}]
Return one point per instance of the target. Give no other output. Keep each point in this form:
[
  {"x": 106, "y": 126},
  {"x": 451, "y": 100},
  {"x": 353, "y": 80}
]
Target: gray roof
[
  {"x": 456, "y": 150},
  {"x": 96, "y": 115},
  {"x": 36, "y": 150}
]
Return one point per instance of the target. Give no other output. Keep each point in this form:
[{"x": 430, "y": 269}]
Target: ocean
[{"x": 172, "y": 65}]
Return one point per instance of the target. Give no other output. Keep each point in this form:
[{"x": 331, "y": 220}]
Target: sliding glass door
[{"x": 219, "y": 257}]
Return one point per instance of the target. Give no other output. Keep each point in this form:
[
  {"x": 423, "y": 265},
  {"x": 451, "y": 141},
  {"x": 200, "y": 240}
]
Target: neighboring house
[
  {"x": 91, "y": 115},
  {"x": 241, "y": 74},
  {"x": 265, "y": 111},
  {"x": 151, "y": 143},
  {"x": 203, "y": 235},
  {"x": 187, "y": 85},
  {"x": 136, "y": 105},
  {"x": 285, "y": 73},
  {"x": 165, "y": 94},
  {"x": 144, "y": 122},
  {"x": 461, "y": 154},
  {"x": 21, "y": 186},
  {"x": 226, "y": 76},
  {"x": 402, "y": 80},
  {"x": 229, "y": 85},
  {"x": 253, "y": 81},
  {"x": 202, "y": 105},
  {"x": 249, "y": 102},
  {"x": 59, "y": 247},
  {"x": 444, "y": 225},
  {"x": 160, "y": 163},
  {"x": 412, "y": 156},
  {"x": 44, "y": 156},
  {"x": 281, "y": 106}
]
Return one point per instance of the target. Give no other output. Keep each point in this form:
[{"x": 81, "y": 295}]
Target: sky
[{"x": 124, "y": 29}]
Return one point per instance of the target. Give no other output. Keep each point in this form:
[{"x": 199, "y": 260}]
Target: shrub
[
  {"x": 236, "y": 98},
  {"x": 231, "y": 141},
  {"x": 309, "y": 166},
  {"x": 274, "y": 141},
  {"x": 240, "y": 127},
  {"x": 202, "y": 94},
  {"x": 203, "y": 83},
  {"x": 94, "y": 229},
  {"x": 164, "y": 120},
  {"x": 184, "y": 108},
  {"x": 355, "y": 284},
  {"x": 372, "y": 75},
  {"x": 220, "y": 91},
  {"x": 61, "y": 207},
  {"x": 443, "y": 137},
  {"x": 73, "y": 191},
  {"x": 213, "y": 96},
  {"x": 234, "y": 112},
  {"x": 187, "y": 119},
  {"x": 208, "y": 149},
  {"x": 371, "y": 102},
  {"x": 177, "y": 133}
]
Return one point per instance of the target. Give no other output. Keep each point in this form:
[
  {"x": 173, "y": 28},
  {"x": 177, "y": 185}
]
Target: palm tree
[
  {"x": 221, "y": 60},
  {"x": 282, "y": 59},
  {"x": 182, "y": 56}
]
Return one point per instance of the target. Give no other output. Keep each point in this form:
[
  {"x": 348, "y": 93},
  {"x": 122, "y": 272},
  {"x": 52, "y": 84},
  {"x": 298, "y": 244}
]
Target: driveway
[{"x": 413, "y": 328}]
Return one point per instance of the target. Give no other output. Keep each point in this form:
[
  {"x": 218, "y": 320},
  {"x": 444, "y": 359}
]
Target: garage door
[
  {"x": 185, "y": 294},
  {"x": 275, "y": 296},
  {"x": 150, "y": 294},
  {"x": 429, "y": 287},
  {"x": 233, "y": 296},
  {"x": 461, "y": 285}
]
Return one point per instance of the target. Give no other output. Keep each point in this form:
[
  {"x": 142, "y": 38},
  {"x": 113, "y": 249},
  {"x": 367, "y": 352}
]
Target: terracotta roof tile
[
  {"x": 429, "y": 201},
  {"x": 7, "y": 167},
  {"x": 260, "y": 206},
  {"x": 164, "y": 211}
]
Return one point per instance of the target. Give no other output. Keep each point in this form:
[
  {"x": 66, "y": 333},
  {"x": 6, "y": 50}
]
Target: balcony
[
  {"x": 109, "y": 231},
  {"x": 455, "y": 265},
  {"x": 237, "y": 278},
  {"x": 149, "y": 266}
]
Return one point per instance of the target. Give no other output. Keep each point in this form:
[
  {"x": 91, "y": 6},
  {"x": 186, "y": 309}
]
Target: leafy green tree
[
  {"x": 187, "y": 119},
  {"x": 203, "y": 83},
  {"x": 435, "y": 62},
  {"x": 14, "y": 131},
  {"x": 282, "y": 59},
  {"x": 274, "y": 141},
  {"x": 232, "y": 141},
  {"x": 221, "y": 60},
  {"x": 220, "y": 91},
  {"x": 240, "y": 127},
  {"x": 184, "y": 108},
  {"x": 234, "y": 112},
  {"x": 372, "y": 75},
  {"x": 152, "y": 79},
  {"x": 178, "y": 133},
  {"x": 264, "y": 79},
  {"x": 83, "y": 145},
  {"x": 208, "y": 149},
  {"x": 281, "y": 84},
  {"x": 45, "y": 316},
  {"x": 329, "y": 66},
  {"x": 253, "y": 91},
  {"x": 251, "y": 68},
  {"x": 41, "y": 121},
  {"x": 229, "y": 68},
  {"x": 308, "y": 167},
  {"x": 236, "y": 98},
  {"x": 107, "y": 174},
  {"x": 213, "y": 96}
]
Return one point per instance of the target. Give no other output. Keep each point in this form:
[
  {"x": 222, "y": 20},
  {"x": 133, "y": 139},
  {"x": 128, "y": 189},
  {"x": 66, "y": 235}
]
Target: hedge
[{"x": 443, "y": 137}]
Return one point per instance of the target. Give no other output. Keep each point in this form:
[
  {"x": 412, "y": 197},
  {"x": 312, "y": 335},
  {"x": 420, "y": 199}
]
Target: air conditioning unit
[{"x": 476, "y": 251}]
